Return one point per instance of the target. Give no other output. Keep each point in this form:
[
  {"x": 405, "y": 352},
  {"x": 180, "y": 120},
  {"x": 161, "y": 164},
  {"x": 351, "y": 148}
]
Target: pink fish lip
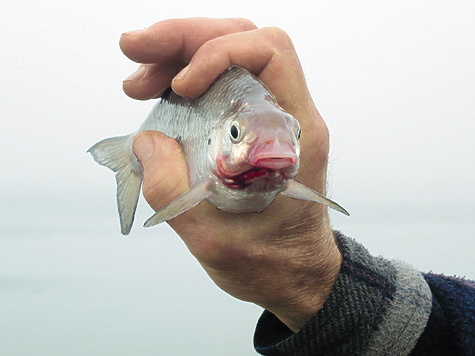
[
  {"x": 274, "y": 163},
  {"x": 273, "y": 155}
]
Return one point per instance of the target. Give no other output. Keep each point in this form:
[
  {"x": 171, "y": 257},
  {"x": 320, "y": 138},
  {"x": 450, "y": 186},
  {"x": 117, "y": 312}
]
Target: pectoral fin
[
  {"x": 184, "y": 202},
  {"x": 296, "y": 190}
]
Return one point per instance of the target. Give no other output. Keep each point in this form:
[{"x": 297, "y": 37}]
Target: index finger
[{"x": 177, "y": 39}]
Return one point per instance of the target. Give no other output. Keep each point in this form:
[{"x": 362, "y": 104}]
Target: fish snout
[{"x": 272, "y": 154}]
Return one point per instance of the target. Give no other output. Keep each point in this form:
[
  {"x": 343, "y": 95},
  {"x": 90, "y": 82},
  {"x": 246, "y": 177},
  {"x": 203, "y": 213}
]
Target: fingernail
[
  {"x": 132, "y": 33},
  {"x": 182, "y": 74},
  {"x": 137, "y": 75},
  {"x": 143, "y": 147}
]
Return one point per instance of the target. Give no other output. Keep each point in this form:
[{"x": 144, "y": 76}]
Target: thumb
[{"x": 164, "y": 167}]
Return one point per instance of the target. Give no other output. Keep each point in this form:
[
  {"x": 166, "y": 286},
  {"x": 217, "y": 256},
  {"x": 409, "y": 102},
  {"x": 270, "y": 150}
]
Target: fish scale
[{"x": 240, "y": 147}]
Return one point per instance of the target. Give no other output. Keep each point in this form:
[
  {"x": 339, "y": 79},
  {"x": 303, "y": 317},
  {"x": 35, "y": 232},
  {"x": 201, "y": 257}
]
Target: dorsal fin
[{"x": 166, "y": 93}]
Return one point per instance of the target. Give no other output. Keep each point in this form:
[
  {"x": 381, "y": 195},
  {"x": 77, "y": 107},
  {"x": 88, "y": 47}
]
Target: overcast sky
[{"x": 395, "y": 82}]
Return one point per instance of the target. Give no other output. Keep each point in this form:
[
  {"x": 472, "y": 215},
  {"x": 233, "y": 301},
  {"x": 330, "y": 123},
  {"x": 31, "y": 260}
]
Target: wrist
[{"x": 309, "y": 283}]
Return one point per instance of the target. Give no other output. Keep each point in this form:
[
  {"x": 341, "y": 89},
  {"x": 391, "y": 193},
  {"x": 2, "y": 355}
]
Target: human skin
[{"x": 284, "y": 259}]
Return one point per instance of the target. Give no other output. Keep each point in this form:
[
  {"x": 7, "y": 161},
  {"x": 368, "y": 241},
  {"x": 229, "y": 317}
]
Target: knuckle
[
  {"x": 212, "y": 58},
  {"x": 245, "y": 24},
  {"x": 213, "y": 45},
  {"x": 168, "y": 143},
  {"x": 317, "y": 140},
  {"x": 279, "y": 38}
]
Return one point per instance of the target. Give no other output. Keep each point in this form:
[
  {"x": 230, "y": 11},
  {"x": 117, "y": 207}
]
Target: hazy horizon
[{"x": 395, "y": 83}]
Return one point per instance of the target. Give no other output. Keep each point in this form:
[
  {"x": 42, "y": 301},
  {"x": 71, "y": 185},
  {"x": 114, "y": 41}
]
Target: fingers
[
  {"x": 168, "y": 46},
  {"x": 164, "y": 167},
  {"x": 177, "y": 39},
  {"x": 151, "y": 80},
  {"x": 266, "y": 52}
]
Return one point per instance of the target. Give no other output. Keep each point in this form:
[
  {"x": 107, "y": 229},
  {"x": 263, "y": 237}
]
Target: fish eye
[
  {"x": 298, "y": 131},
  {"x": 235, "y": 131}
]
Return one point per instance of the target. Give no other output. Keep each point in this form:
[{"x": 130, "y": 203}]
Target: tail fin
[{"x": 115, "y": 153}]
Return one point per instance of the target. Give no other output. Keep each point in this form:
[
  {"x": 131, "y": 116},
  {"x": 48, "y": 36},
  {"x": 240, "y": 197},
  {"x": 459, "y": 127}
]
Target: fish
[{"x": 241, "y": 149}]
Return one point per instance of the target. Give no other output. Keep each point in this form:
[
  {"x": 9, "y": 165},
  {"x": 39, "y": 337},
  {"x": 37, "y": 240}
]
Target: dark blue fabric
[{"x": 451, "y": 326}]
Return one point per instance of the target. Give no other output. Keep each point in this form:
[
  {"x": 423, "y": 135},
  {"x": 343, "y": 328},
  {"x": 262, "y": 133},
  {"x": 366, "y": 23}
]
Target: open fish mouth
[{"x": 251, "y": 176}]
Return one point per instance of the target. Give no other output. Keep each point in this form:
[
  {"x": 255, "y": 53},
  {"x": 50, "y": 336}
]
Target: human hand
[{"x": 284, "y": 259}]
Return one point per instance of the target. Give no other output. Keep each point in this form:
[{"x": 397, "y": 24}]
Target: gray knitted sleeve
[{"x": 376, "y": 307}]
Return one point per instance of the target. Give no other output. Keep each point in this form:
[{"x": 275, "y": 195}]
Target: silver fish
[{"x": 242, "y": 150}]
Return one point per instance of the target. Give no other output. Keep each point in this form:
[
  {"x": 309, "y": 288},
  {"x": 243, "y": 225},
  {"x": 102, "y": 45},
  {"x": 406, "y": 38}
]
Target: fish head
[{"x": 255, "y": 148}]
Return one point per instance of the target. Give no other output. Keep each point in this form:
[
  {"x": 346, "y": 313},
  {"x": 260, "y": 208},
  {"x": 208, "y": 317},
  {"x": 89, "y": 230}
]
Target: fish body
[{"x": 241, "y": 148}]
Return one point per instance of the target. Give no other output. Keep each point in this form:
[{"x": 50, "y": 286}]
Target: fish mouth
[
  {"x": 251, "y": 176},
  {"x": 265, "y": 172}
]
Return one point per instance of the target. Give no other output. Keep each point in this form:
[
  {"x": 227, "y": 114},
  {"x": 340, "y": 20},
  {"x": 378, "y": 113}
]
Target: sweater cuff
[{"x": 376, "y": 307}]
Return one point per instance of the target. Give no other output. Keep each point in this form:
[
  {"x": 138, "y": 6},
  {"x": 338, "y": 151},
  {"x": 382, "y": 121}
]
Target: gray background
[{"x": 395, "y": 83}]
